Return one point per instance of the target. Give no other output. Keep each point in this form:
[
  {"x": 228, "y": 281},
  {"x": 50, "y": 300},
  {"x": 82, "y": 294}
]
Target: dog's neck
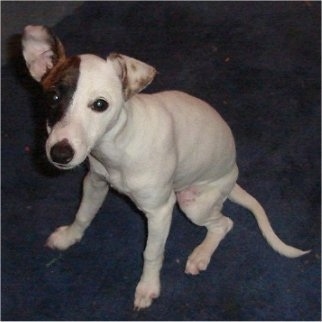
[{"x": 112, "y": 146}]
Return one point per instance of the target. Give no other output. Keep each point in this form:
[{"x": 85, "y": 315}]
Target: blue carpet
[{"x": 259, "y": 64}]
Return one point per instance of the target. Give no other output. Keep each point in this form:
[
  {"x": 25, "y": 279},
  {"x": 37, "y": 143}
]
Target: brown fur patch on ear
[
  {"x": 56, "y": 45},
  {"x": 121, "y": 70},
  {"x": 139, "y": 84},
  {"x": 134, "y": 74},
  {"x": 133, "y": 67},
  {"x": 66, "y": 71}
]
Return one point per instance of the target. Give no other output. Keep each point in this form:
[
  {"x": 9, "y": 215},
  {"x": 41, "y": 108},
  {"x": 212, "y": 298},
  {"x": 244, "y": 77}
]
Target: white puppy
[{"x": 157, "y": 149}]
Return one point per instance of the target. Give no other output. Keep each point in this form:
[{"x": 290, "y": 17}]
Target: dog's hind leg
[
  {"x": 95, "y": 189},
  {"x": 202, "y": 205},
  {"x": 201, "y": 255}
]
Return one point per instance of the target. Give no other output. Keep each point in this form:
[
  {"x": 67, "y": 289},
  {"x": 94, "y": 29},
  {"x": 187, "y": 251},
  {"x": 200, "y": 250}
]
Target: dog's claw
[{"x": 137, "y": 308}]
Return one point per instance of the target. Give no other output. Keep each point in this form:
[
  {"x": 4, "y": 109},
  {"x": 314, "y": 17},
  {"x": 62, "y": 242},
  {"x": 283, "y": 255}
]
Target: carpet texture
[{"x": 258, "y": 63}]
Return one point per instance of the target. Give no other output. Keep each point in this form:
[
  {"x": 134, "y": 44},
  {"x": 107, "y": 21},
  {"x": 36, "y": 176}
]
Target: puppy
[{"x": 157, "y": 149}]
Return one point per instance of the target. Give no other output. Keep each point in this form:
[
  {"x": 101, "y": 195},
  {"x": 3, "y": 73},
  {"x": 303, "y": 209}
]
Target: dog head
[{"x": 84, "y": 95}]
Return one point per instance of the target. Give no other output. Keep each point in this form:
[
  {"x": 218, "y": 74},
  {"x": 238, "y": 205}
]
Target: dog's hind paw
[
  {"x": 63, "y": 237},
  {"x": 198, "y": 261}
]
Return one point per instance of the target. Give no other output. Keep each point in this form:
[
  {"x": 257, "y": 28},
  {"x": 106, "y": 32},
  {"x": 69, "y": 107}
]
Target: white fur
[{"x": 157, "y": 149}]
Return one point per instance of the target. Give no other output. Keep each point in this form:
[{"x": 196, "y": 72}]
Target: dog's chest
[
  {"x": 135, "y": 183},
  {"x": 115, "y": 178},
  {"x": 111, "y": 168},
  {"x": 119, "y": 180}
]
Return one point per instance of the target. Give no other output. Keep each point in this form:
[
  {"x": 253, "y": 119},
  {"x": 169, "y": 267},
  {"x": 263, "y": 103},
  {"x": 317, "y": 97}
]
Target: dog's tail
[{"x": 241, "y": 197}]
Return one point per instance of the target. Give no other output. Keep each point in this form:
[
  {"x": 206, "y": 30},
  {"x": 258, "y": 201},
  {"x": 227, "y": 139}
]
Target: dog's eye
[
  {"x": 99, "y": 105},
  {"x": 53, "y": 97}
]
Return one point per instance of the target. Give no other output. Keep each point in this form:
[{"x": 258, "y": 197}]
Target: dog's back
[{"x": 204, "y": 142}]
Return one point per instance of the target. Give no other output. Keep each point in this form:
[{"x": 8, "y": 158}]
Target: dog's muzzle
[{"x": 62, "y": 153}]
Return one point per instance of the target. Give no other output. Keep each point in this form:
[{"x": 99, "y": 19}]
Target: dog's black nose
[{"x": 62, "y": 152}]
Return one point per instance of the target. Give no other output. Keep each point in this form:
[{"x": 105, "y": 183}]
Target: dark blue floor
[{"x": 259, "y": 64}]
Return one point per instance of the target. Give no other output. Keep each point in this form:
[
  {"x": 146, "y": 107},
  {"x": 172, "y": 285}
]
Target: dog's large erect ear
[
  {"x": 41, "y": 50},
  {"x": 134, "y": 74}
]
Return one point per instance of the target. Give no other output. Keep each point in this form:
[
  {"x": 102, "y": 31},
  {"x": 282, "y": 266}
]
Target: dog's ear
[
  {"x": 42, "y": 50},
  {"x": 134, "y": 74}
]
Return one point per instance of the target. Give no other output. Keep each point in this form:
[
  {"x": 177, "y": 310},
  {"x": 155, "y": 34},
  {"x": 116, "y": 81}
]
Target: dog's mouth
[{"x": 63, "y": 166}]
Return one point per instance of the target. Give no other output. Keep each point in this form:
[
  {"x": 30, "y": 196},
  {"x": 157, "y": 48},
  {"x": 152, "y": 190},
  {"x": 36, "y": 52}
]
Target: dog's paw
[
  {"x": 63, "y": 237},
  {"x": 145, "y": 294},
  {"x": 198, "y": 261}
]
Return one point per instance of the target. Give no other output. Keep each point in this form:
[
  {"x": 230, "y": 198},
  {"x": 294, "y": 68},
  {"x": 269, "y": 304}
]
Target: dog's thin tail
[{"x": 243, "y": 198}]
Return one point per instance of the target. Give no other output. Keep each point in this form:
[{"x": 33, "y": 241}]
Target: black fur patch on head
[{"x": 59, "y": 86}]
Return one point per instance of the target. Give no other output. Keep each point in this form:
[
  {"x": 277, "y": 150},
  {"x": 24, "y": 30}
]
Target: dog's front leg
[
  {"x": 159, "y": 221},
  {"x": 95, "y": 189}
]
